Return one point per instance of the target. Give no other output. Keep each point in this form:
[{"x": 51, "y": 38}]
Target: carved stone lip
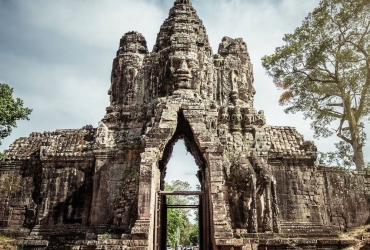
[{"x": 182, "y": 77}]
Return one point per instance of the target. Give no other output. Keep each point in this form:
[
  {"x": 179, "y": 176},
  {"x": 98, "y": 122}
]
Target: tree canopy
[
  {"x": 324, "y": 72},
  {"x": 11, "y": 110},
  {"x": 179, "y": 219}
]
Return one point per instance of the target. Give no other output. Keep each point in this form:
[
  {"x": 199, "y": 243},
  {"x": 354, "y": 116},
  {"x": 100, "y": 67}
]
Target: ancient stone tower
[{"x": 101, "y": 188}]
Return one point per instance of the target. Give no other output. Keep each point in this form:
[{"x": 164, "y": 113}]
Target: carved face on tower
[
  {"x": 184, "y": 53},
  {"x": 184, "y": 66}
]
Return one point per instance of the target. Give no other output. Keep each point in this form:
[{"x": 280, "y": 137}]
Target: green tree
[
  {"x": 11, "y": 110},
  {"x": 180, "y": 218},
  {"x": 324, "y": 70},
  {"x": 194, "y": 235},
  {"x": 367, "y": 166},
  {"x": 340, "y": 159},
  {"x": 175, "y": 220}
]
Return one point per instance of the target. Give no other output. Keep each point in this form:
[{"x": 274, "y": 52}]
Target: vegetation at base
[
  {"x": 324, "y": 72},
  {"x": 11, "y": 110},
  {"x": 178, "y": 219},
  {"x": 105, "y": 236},
  {"x": 7, "y": 243},
  {"x": 360, "y": 235}
]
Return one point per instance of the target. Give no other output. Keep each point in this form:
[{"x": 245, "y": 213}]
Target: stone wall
[
  {"x": 98, "y": 188},
  {"x": 47, "y": 179},
  {"x": 322, "y": 196},
  {"x": 18, "y": 196}
]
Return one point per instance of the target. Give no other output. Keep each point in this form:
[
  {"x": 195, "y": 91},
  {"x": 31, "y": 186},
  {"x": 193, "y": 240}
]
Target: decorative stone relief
[{"x": 97, "y": 188}]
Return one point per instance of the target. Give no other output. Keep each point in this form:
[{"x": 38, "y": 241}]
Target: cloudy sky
[{"x": 57, "y": 55}]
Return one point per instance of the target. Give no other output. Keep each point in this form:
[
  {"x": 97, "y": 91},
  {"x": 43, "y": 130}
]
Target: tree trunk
[{"x": 358, "y": 154}]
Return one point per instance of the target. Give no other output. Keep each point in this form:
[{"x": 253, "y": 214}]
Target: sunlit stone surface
[{"x": 97, "y": 188}]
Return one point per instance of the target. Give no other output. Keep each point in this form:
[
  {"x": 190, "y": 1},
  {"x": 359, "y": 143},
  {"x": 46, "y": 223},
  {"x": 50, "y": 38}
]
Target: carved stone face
[{"x": 184, "y": 67}]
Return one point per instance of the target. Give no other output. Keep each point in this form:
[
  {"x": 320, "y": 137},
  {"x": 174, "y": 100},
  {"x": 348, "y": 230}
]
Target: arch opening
[
  {"x": 183, "y": 132},
  {"x": 173, "y": 200}
]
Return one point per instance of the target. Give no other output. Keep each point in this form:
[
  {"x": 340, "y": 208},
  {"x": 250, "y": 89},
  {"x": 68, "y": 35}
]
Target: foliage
[
  {"x": 179, "y": 219},
  {"x": 324, "y": 71},
  {"x": 11, "y": 110},
  {"x": 19, "y": 246},
  {"x": 105, "y": 236},
  {"x": 7, "y": 243},
  {"x": 175, "y": 220},
  {"x": 193, "y": 235},
  {"x": 178, "y": 186},
  {"x": 342, "y": 157},
  {"x": 367, "y": 166},
  {"x": 182, "y": 200}
]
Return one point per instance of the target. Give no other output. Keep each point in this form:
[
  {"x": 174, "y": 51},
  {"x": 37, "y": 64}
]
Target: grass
[{"x": 7, "y": 243}]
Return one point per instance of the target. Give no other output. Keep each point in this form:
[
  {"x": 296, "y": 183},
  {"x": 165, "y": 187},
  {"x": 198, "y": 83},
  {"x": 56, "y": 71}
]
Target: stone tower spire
[
  {"x": 259, "y": 183},
  {"x": 182, "y": 2},
  {"x": 182, "y": 30},
  {"x": 183, "y": 50},
  {"x": 130, "y": 56}
]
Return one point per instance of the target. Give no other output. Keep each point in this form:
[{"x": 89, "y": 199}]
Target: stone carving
[
  {"x": 254, "y": 195},
  {"x": 308, "y": 146},
  {"x": 104, "y": 136},
  {"x": 260, "y": 186},
  {"x": 125, "y": 68},
  {"x": 184, "y": 70},
  {"x": 266, "y": 189}
]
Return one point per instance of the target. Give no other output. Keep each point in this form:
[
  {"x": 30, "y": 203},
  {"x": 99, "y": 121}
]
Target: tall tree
[
  {"x": 11, "y": 110},
  {"x": 176, "y": 220},
  {"x": 324, "y": 70},
  {"x": 180, "y": 218}
]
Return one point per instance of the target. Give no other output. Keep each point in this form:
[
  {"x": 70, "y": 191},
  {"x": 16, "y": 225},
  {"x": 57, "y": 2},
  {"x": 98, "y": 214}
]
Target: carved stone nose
[{"x": 183, "y": 68}]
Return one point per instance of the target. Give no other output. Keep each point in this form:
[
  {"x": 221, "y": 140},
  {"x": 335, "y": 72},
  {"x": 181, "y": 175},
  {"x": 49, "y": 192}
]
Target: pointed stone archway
[
  {"x": 178, "y": 122},
  {"x": 183, "y": 131},
  {"x": 257, "y": 180}
]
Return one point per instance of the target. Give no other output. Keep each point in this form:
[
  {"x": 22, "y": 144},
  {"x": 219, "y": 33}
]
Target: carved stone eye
[
  {"x": 176, "y": 63},
  {"x": 191, "y": 63}
]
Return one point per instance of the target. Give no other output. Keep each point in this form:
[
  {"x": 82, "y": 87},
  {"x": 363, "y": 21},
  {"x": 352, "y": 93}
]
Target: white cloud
[
  {"x": 58, "y": 54},
  {"x": 95, "y": 23}
]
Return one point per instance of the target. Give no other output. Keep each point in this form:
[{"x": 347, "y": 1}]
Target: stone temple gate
[{"x": 99, "y": 188}]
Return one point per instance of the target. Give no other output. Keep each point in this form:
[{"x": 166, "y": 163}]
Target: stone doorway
[
  {"x": 183, "y": 132},
  {"x": 161, "y": 223}
]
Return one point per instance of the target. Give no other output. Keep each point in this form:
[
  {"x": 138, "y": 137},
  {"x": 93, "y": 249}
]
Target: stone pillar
[
  {"x": 252, "y": 220},
  {"x": 267, "y": 213},
  {"x": 99, "y": 209},
  {"x": 221, "y": 225},
  {"x": 149, "y": 184},
  {"x": 275, "y": 209}
]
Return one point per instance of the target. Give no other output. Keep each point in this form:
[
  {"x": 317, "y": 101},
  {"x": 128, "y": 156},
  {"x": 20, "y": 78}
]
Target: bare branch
[
  {"x": 332, "y": 113},
  {"x": 335, "y": 104},
  {"x": 295, "y": 70},
  {"x": 340, "y": 129},
  {"x": 365, "y": 32},
  {"x": 364, "y": 92},
  {"x": 344, "y": 138},
  {"x": 323, "y": 98},
  {"x": 359, "y": 48}
]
